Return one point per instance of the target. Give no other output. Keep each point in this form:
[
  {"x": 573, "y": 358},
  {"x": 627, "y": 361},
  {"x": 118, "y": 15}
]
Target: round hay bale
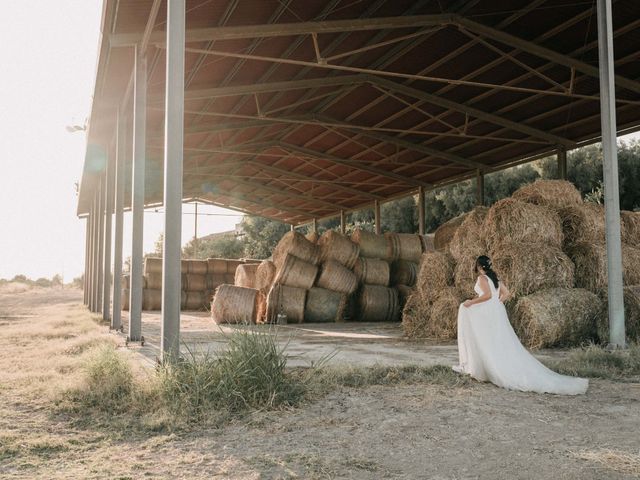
[
  {"x": 590, "y": 261},
  {"x": 265, "y": 273},
  {"x": 467, "y": 239},
  {"x": 465, "y": 276},
  {"x": 152, "y": 265},
  {"x": 198, "y": 267},
  {"x": 528, "y": 267},
  {"x": 404, "y": 246},
  {"x": 338, "y": 247},
  {"x": 296, "y": 273},
  {"x": 404, "y": 292},
  {"x": 295, "y": 244},
  {"x": 217, "y": 266},
  {"x": 630, "y": 227},
  {"x": 443, "y": 322},
  {"x": 312, "y": 237},
  {"x": 582, "y": 223},
  {"x": 372, "y": 271},
  {"x": 151, "y": 299},
  {"x": 427, "y": 242},
  {"x": 371, "y": 245},
  {"x": 195, "y": 283},
  {"x": 184, "y": 266},
  {"x": 214, "y": 280},
  {"x": 435, "y": 273},
  {"x": 153, "y": 281},
  {"x": 195, "y": 301},
  {"x": 288, "y": 300},
  {"x": 631, "y": 315},
  {"x": 232, "y": 265},
  {"x": 324, "y": 305},
  {"x": 557, "y": 317},
  {"x": 415, "y": 316},
  {"x": 404, "y": 272},
  {"x": 229, "y": 278},
  {"x": 378, "y": 304},
  {"x": 445, "y": 232},
  {"x": 246, "y": 275},
  {"x": 550, "y": 193},
  {"x": 233, "y": 304},
  {"x": 516, "y": 221},
  {"x": 336, "y": 277}
]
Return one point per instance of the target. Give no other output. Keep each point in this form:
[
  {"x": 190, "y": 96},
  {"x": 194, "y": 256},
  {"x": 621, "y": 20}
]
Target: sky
[{"x": 48, "y": 55}]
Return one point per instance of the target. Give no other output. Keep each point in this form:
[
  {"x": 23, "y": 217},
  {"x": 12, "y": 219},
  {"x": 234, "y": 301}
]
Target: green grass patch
[{"x": 594, "y": 361}]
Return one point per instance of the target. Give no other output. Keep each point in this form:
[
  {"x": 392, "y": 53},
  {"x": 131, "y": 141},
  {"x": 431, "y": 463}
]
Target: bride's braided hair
[{"x": 484, "y": 262}]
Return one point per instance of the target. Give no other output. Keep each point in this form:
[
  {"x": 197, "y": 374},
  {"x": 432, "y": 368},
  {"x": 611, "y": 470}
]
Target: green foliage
[
  {"x": 261, "y": 235},
  {"x": 221, "y": 246}
]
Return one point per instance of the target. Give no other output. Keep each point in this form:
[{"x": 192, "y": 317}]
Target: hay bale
[
  {"x": 443, "y": 322},
  {"x": 404, "y": 246},
  {"x": 195, "y": 301},
  {"x": 590, "y": 261},
  {"x": 295, "y": 244},
  {"x": 195, "y": 283},
  {"x": 214, "y": 280},
  {"x": 445, "y": 232},
  {"x": 184, "y": 266},
  {"x": 338, "y": 247},
  {"x": 378, "y": 304},
  {"x": 229, "y": 278},
  {"x": 435, "y": 273},
  {"x": 217, "y": 266},
  {"x": 153, "y": 281},
  {"x": 152, "y": 265},
  {"x": 296, "y": 273},
  {"x": 582, "y": 223},
  {"x": 151, "y": 299},
  {"x": 516, "y": 221},
  {"x": 549, "y": 193},
  {"x": 372, "y": 271},
  {"x": 336, "y": 277},
  {"x": 124, "y": 299},
  {"x": 557, "y": 317},
  {"x": 404, "y": 292},
  {"x": 126, "y": 281},
  {"x": 427, "y": 242},
  {"x": 265, "y": 273},
  {"x": 312, "y": 237},
  {"x": 415, "y": 315},
  {"x": 324, "y": 305},
  {"x": 232, "y": 265},
  {"x": 288, "y": 300},
  {"x": 245, "y": 275},
  {"x": 371, "y": 245},
  {"x": 198, "y": 267},
  {"x": 631, "y": 296},
  {"x": 404, "y": 272},
  {"x": 467, "y": 239},
  {"x": 528, "y": 267},
  {"x": 630, "y": 223},
  {"x": 465, "y": 276},
  {"x": 233, "y": 304}
]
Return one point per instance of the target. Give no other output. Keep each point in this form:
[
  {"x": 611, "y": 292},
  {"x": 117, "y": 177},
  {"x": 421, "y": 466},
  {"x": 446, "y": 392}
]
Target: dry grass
[
  {"x": 465, "y": 276},
  {"x": 582, "y": 223},
  {"x": 444, "y": 233},
  {"x": 630, "y": 227},
  {"x": 594, "y": 361},
  {"x": 550, "y": 193},
  {"x": 435, "y": 273},
  {"x": 416, "y": 315},
  {"x": 618, "y": 461},
  {"x": 631, "y": 297},
  {"x": 467, "y": 239},
  {"x": 443, "y": 323}
]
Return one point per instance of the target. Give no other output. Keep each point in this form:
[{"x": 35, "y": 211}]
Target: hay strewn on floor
[
  {"x": 468, "y": 239},
  {"x": 550, "y": 193},
  {"x": 444, "y": 233},
  {"x": 631, "y": 315}
]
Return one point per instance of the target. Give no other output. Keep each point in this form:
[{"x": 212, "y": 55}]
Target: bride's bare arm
[
  {"x": 486, "y": 293},
  {"x": 504, "y": 293}
]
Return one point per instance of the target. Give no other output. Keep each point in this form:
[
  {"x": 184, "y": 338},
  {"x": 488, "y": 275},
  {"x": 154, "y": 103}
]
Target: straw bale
[
  {"x": 404, "y": 246},
  {"x": 246, "y": 275},
  {"x": 152, "y": 265},
  {"x": 324, "y": 305},
  {"x": 199, "y": 267},
  {"x": 516, "y": 221},
  {"x": 435, "y": 273},
  {"x": 288, "y": 300},
  {"x": 404, "y": 292},
  {"x": 445, "y": 232},
  {"x": 427, "y": 242},
  {"x": 338, "y": 247},
  {"x": 550, "y": 193},
  {"x": 312, "y": 237},
  {"x": 184, "y": 266},
  {"x": 229, "y": 278},
  {"x": 582, "y": 223},
  {"x": 216, "y": 265},
  {"x": 630, "y": 223},
  {"x": 296, "y": 273},
  {"x": 232, "y": 264},
  {"x": 195, "y": 283},
  {"x": 214, "y": 280},
  {"x": 416, "y": 314},
  {"x": 631, "y": 296},
  {"x": 465, "y": 276},
  {"x": 371, "y": 245},
  {"x": 378, "y": 304},
  {"x": 443, "y": 322},
  {"x": 404, "y": 272},
  {"x": 196, "y": 300},
  {"x": 372, "y": 271},
  {"x": 557, "y": 317},
  {"x": 265, "y": 273},
  {"x": 233, "y": 304},
  {"x": 336, "y": 277},
  {"x": 467, "y": 239},
  {"x": 295, "y": 244},
  {"x": 153, "y": 281},
  {"x": 590, "y": 260}
]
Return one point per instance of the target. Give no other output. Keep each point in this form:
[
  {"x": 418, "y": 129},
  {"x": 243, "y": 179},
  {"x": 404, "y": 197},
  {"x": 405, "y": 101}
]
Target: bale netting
[
  {"x": 518, "y": 221},
  {"x": 435, "y": 273},
  {"x": 444, "y": 233},
  {"x": 415, "y": 315},
  {"x": 199, "y": 267},
  {"x": 630, "y": 227},
  {"x": 528, "y": 267},
  {"x": 465, "y": 275},
  {"x": 590, "y": 261},
  {"x": 152, "y": 265},
  {"x": 404, "y": 272},
  {"x": 216, "y": 266},
  {"x": 557, "y": 317},
  {"x": 372, "y": 271},
  {"x": 371, "y": 245},
  {"x": 582, "y": 223},
  {"x": 245, "y": 275},
  {"x": 404, "y": 246},
  {"x": 233, "y": 304},
  {"x": 443, "y": 322},
  {"x": 153, "y": 281},
  {"x": 335, "y": 276},
  {"x": 295, "y": 244},
  {"x": 378, "y": 304},
  {"x": 468, "y": 239},
  {"x": 338, "y": 247},
  {"x": 631, "y": 315},
  {"x": 324, "y": 305},
  {"x": 265, "y": 273},
  {"x": 550, "y": 193},
  {"x": 296, "y": 273},
  {"x": 195, "y": 283},
  {"x": 287, "y": 300}
]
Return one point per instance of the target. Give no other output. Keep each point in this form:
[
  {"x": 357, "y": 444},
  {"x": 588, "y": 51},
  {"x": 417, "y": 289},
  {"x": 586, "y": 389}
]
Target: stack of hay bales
[{"x": 544, "y": 242}]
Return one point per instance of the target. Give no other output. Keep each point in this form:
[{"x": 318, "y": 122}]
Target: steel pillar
[
  {"x": 479, "y": 188},
  {"x": 376, "y": 216},
  {"x": 100, "y": 248},
  {"x": 421, "y": 211},
  {"x": 85, "y": 281},
  {"x": 137, "y": 195},
  {"x": 92, "y": 245},
  {"x": 173, "y": 158},
  {"x": 121, "y": 146},
  {"x": 610, "y": 170},
  {"x": 343, "y": 222},
  {"x": 108, "y": 217},
  {"x": 562, "y": 163}
]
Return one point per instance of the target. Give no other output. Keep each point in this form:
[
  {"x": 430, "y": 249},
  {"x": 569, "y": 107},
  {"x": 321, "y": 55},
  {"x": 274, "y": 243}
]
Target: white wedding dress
[{"x": 490, "y": 350}]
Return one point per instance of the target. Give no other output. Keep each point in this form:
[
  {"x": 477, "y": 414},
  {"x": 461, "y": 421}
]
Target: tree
[
  {"x": 219, "y": 246},
  {"x": 261, "y": 235}
]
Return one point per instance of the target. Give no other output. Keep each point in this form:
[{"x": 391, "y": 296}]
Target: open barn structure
[{"x": 300, "y": 110}]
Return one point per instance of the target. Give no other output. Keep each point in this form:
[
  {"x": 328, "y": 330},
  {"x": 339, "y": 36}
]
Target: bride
[{"x": 490, "y": 350}]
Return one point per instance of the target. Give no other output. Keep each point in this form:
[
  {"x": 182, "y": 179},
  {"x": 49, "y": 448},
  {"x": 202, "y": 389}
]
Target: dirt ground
[{"x": 396, "y": 432}]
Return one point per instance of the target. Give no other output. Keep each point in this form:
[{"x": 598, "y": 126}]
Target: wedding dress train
[{"x": 490, "y": 350}]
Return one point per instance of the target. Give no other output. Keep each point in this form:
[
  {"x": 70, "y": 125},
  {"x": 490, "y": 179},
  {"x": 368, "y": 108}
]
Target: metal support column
[
  {"x": 92, "y": 245},
  {"x": 376, "y": 216},
  {"x": 100, "y": 249},
  {"x": 479, "y": 188},
  {"x": 562, "y": 163},
  {"x": 195, "y": 233},
  {"x": 108, "y": 217},
  {"x": 85, "y": 297},
  {"x": 121, "y": 146},
  {"x": 421, "y": 211},
  {"x": 137, "y": 195},
  {"x": 343, "y": 222},
  {"x": 610, "y": 170},
  {"x": 173, "y": 158}
]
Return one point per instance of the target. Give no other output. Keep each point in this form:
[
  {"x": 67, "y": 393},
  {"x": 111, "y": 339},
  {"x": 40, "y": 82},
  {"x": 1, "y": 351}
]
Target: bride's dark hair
[{"x": 484, "y": 262}]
